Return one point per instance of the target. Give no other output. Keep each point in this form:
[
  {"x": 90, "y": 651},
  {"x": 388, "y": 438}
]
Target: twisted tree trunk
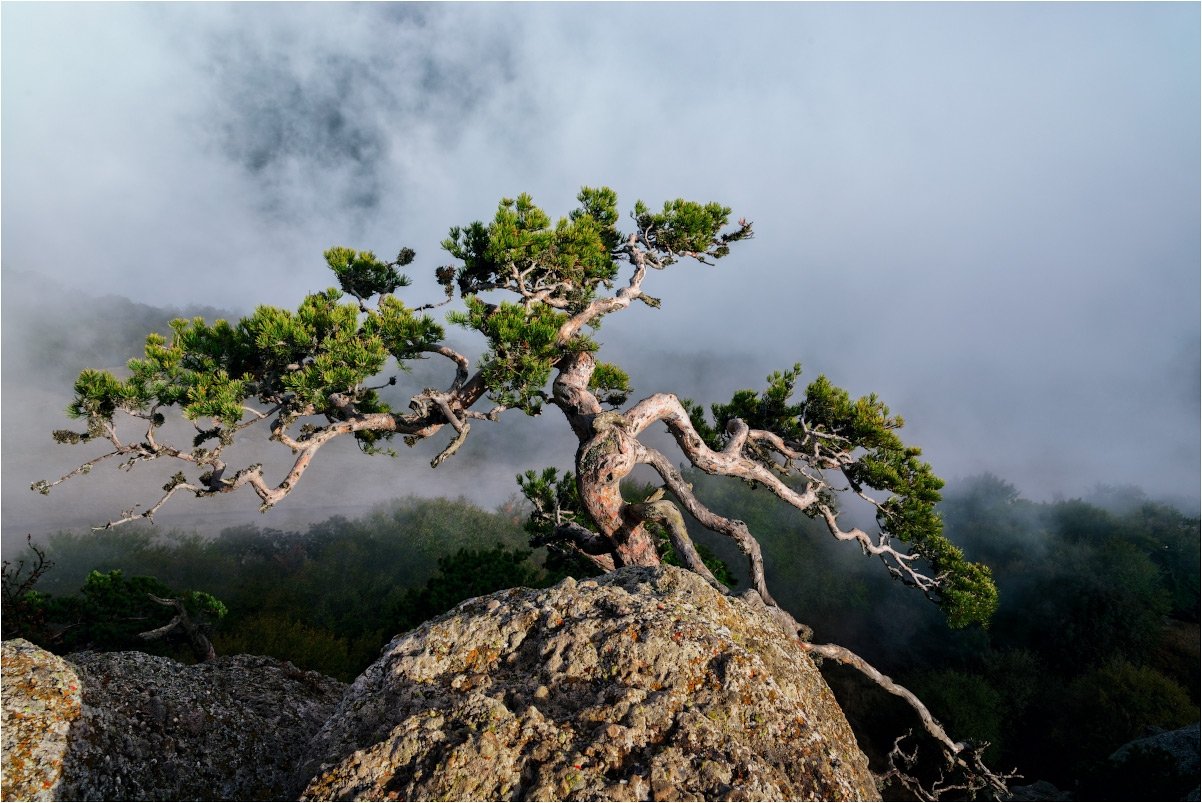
[{"x": 607, "y": 454}]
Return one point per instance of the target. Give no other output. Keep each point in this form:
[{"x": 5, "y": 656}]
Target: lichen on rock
[
  {"x": 40, "y": 699},
  {"x": 644, "y": 684}
]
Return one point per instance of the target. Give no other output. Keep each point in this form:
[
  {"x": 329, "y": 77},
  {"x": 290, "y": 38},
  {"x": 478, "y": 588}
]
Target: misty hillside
[{"x": 74, "y": 328}]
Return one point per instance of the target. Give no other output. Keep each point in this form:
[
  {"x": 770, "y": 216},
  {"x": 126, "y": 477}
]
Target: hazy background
[{"x": 987, "y": 214}]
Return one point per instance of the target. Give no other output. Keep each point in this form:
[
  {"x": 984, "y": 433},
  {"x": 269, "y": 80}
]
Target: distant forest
[{"x": 1096, "y": 641}]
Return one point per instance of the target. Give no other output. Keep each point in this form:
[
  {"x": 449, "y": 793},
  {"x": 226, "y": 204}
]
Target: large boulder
[
  {"x": 149, "y": 728},
  {"x": 39, "y": 699},
  {"x": 1161, "y": 766},
  {"x": 230, "y": 729},
  {"x": 1179, "y": 747},
  {"x": 644, "y": 684}
]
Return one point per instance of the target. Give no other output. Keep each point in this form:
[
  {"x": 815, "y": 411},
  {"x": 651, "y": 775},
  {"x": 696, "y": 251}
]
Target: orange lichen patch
[
  {"x": 479, "y": 659},
  {"x": 41, "y": 699}
]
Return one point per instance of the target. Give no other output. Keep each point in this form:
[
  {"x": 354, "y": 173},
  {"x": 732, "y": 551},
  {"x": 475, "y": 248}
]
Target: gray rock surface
[
  {"x": 644, "y": 684},
  {"x": 1181, "y": 745},
  {"x": 1174, "y": 755},
  {"x": 155, "y": 729},
  {"x": 39, "y": 699}
]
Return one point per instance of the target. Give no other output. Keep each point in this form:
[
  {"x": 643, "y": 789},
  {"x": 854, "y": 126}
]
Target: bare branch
[
  {"x": 962, "y": 756},
  {"x": 667, "y": 408},
  {"x": 12, "y": 585},
  {"x": 443, "y": 404},
  {"x": 849, "y": 658},
  {"x": 159, "y": 632},
  {"x": 900, "y": 566},
  {"x": 453, "y": 446},
  {"x": 774, "y": 441},
  {"x": 737, "y": 433},
  {"x": 433, "y": 305},
  {"x": 491, "y": 415},
  {"x": 732, "y": 528},
  {"x": 279, "y": 431},
  {"x": 591, "y": 544},
  {"x": 171, "y": 488},
  {"x": 461, "y": 364},
  {"x": 43, "y": 487}
]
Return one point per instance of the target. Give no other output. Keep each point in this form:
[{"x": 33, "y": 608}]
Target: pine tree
[{"x": 537, "y": 291}]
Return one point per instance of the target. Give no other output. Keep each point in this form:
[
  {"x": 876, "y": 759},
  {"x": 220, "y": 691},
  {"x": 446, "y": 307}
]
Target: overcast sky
[{"x": 986, "y": 213}]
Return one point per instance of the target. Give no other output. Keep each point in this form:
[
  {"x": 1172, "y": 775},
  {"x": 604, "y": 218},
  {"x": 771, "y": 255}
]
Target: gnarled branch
[{"x": 202, "y": 648}]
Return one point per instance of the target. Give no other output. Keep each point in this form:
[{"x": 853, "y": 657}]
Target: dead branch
[
  {"x": 963, "y": 758},
  {"x": 731, "y": 528},
  {"x": 14, "y": 585}
]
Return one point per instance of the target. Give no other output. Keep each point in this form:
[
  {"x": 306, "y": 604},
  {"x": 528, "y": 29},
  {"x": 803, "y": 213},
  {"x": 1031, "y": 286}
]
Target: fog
[{"x": 988, "y": 214}]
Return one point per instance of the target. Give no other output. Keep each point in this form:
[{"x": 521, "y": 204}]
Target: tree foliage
[{"x": 826, "y": 423}]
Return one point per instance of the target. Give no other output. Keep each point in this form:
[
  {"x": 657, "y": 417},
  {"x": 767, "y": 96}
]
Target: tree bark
[
  {"x": 602, "y": 462},
  {"x": 607, "y": 454}
]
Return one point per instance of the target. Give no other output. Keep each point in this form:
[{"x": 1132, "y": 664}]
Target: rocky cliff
[{"x": 645, "y": 684}]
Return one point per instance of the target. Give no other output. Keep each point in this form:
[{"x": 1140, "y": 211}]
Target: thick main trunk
[
  {"x": 607, "y": 454},
  {"x": 602, "y": 462}
]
